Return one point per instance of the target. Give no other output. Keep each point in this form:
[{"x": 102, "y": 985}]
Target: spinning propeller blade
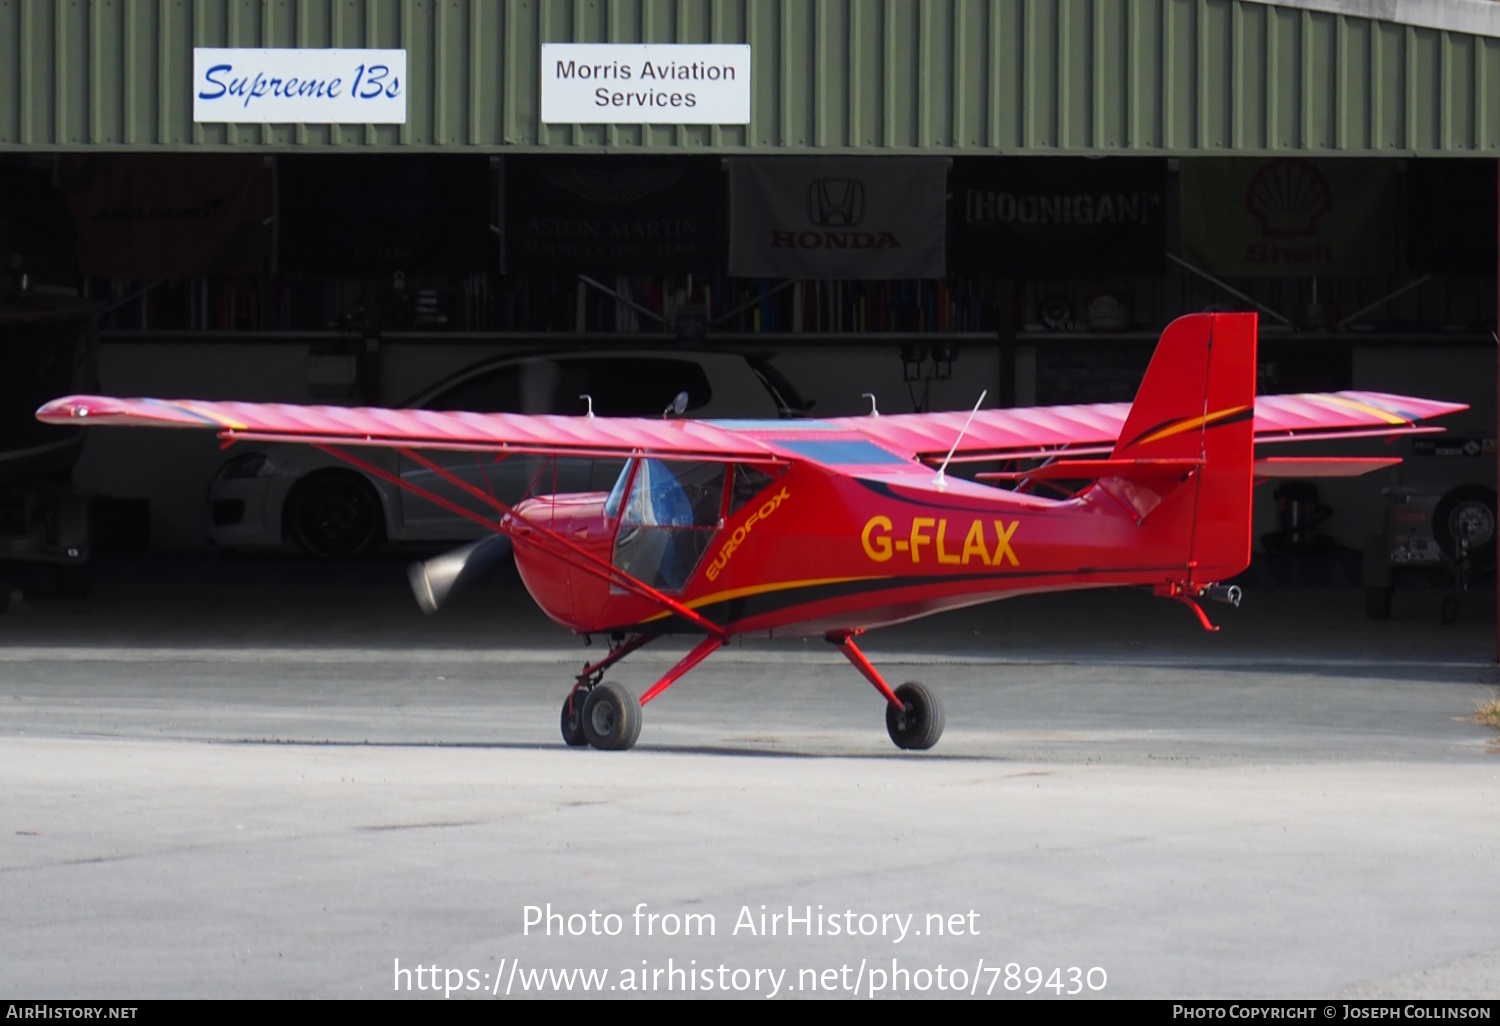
[{"x": 433, "y": 580}]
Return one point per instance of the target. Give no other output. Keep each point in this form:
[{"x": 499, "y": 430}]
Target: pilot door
[{"x": 668, "y": 519}]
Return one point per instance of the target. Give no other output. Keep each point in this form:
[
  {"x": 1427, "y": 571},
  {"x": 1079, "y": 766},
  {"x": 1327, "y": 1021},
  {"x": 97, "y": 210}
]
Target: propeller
[{"x": 434, "y": 580}]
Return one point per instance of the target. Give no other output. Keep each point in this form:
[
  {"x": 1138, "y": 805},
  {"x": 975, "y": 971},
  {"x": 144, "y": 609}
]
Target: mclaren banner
[
  {"x": 167, "y": 215},
  {"x": 612, "y": 215},
  {"x": 1058, "y": 217},
  {"x": 817, "y": 217},
  {"x": 1289, "y": 216}
]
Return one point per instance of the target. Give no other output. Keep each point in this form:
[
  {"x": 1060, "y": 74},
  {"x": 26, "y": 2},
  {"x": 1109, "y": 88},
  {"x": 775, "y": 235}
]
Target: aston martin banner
[
  {"x": 612, "y": 215},
  {"x": 167, "y": 215},
  {"x": 1289, "y": 216},
  {"x": 837, "y": 217},
  {"x": 1057, "y": 217}
]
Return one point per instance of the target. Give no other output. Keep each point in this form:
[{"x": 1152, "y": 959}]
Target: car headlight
[{"x": 249, "y": 464}]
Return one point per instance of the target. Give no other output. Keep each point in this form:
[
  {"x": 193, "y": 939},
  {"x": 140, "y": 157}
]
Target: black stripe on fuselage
[{"x": 744, "y": 607}]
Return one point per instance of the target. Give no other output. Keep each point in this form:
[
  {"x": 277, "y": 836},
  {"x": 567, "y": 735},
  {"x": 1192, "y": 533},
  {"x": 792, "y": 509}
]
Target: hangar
[
  {"x": 268, "y": 775},
  {"x": 914, "y": 199}
]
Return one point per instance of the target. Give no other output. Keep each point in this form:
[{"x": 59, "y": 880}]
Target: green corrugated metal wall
[{"x": 1037, "y": 76}]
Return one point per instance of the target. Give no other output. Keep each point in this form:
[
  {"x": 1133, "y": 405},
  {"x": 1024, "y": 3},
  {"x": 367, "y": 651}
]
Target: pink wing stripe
[
  {"x": 919, "y": 435},
  {"x": 409, "y": 427}
]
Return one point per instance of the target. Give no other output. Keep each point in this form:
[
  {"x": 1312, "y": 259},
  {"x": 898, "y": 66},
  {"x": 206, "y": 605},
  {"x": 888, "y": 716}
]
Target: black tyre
[
  {"x": 1378, "y": 603},
  {"x": 611, "y": 717},
  {"x": 335, "y": 515},
  {"x": 572, "y": 719},
  {"x": 1468, "y": 508},
  {"x": 920, "y": 725}
]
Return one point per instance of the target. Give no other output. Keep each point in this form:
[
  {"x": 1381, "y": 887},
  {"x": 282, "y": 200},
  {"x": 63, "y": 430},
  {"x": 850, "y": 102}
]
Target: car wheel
[
  {"x": 334, "y": 515},
  {"x": 1466, "y": 510}
]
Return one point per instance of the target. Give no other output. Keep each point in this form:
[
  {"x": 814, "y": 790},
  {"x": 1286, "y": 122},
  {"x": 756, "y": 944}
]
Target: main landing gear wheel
[
  {"x": 919, "y": 725},
  {"x": 611, "y": 717},
  {"x": 572, "y": 718}
]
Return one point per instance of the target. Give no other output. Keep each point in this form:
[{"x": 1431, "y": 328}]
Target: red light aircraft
[{"x": 831, "y": 527}]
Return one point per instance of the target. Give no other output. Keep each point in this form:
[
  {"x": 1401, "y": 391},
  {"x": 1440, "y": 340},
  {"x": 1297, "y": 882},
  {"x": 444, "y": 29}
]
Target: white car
[{"x": 267, "y": 495}]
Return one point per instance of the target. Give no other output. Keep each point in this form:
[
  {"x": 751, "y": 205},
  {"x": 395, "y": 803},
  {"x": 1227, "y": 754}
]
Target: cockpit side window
[
  {"x": 748, "y": 483},
  {"x": 672, "y": 512}
]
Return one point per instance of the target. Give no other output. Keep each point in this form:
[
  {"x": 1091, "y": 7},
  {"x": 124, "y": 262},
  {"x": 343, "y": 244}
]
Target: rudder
[{"x": 1197, "y": 402}]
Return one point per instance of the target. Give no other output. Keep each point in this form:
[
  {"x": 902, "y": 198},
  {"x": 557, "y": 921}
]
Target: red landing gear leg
[
  {"x": 619, "y": 714},
  {"x": 603, "y": 714},
  {"x": 913, "y": 714},
  {"x": 707, "y": 647}
]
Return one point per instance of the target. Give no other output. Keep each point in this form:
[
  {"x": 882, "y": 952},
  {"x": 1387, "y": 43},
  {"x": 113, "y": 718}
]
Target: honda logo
[{"x": 836, "y": 202}]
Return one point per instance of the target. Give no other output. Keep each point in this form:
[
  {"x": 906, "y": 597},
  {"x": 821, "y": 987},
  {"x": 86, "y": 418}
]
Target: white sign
[
  {"x": 350, "y": 87},
  {"x": 630, "y": 84}
]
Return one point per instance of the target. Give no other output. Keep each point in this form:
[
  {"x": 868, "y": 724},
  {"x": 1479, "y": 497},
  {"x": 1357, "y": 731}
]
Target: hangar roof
[{"x": 1175, "y": 77}]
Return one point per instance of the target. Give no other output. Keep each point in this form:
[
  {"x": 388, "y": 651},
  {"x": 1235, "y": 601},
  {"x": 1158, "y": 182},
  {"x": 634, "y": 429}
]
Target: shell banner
[{"x": 1289, "y": 217}]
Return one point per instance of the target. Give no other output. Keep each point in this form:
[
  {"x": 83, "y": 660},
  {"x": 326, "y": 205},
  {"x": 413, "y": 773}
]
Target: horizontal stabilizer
[
  {"x": 1080, "y": 470},
  {"x": 1320, "y": 466}
]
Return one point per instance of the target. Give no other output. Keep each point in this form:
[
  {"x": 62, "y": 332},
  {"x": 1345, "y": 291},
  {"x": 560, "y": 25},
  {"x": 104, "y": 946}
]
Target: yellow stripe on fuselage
[
  {"x": 1189, "y": 425},
  {"x": 761, "y": 589}
]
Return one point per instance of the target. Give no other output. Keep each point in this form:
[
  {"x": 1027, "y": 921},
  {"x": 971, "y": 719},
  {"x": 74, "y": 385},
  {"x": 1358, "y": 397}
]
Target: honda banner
[
  {"x": 612, "y": 215},
  {"x": 1058, "y": 217},
  {"x": 837, "y": 217},
  {"x": 1450, "y": 216},
  {"x": 1289, "y": 216},
  {"x": 167, "y": 215}
]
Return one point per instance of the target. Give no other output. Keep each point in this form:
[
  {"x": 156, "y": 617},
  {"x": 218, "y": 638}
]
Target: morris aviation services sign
[
  {"x": 629, "y": 84},
  {"x": 313, "y": 87}
]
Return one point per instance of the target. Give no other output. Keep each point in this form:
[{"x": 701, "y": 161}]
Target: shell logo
[{"x": 1288, "y": 196}]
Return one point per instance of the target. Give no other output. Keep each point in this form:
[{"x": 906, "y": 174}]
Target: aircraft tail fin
[{"x": 1191, "y": 437}]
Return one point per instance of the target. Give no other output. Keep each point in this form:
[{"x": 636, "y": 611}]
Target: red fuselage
[{"x": 820, "y": 549}]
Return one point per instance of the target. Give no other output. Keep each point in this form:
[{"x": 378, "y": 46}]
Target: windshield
[{"x": 617, "y": 493}]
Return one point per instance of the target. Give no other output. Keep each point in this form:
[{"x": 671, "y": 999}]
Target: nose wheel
[
  {"x": 611, "y": 717},
  {"x": 606, "y": 716},
  {"x": 572, "y": 719}
]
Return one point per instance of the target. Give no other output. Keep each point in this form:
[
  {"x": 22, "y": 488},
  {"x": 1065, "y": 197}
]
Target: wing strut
[{"x": 517, "y": 525}]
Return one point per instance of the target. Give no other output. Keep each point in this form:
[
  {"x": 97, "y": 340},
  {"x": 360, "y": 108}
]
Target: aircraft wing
[
  {"x": 994, "y": 434},
  {"x": 419, "y": 429},
  {"x": 1042, "y": 431}
]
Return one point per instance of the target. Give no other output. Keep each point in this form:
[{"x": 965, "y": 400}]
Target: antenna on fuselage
[
  {"x": 870, "y": 396},
  {"x": 939, "y": 482},
  {"x": 590, "y": 400}
]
